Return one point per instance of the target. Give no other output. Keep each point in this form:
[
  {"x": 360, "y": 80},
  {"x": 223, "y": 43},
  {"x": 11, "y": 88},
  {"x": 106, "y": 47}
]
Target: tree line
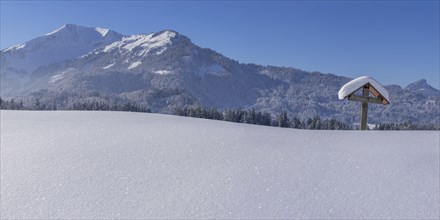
[
  {"x": 250, "y": 116},
  {"x": 103, "y": 106},
  {"x": 263, "y": 118},
  {"x": 12, "y": 104},
  {"x": 88, "y": 106},
  {"x": 408, "y": 125}
]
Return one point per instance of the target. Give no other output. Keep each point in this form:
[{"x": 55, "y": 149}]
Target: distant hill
[
  {"x": 423, "y": 87},
  {"x": 165, "y": 70}
]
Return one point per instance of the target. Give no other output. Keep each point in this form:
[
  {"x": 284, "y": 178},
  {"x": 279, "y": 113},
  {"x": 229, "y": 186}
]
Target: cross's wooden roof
[{"x": 374, "y": 87}]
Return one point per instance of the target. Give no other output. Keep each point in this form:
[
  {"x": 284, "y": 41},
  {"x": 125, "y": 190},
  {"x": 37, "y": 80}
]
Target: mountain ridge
[
  {"x": 164, "y": 70},
  {"x": 423, "y": 87},
  {"x": 105, "y": 31}
]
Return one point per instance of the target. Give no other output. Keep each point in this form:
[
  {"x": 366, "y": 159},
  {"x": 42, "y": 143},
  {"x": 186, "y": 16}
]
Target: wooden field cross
[{"x": 368, "y": 85}]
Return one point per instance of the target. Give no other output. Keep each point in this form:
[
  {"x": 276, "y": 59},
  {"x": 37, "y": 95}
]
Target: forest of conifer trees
[{"x": 232, "y": 115}]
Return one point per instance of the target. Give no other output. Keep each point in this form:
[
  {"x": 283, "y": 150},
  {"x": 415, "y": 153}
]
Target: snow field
[{"x": 68, "y": 164}]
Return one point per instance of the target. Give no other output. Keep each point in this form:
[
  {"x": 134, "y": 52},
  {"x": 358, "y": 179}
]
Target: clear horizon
[{"x": 396, "y": 42}]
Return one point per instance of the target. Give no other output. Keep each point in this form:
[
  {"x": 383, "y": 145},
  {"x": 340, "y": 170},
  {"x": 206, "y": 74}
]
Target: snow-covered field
[{"x": 99, "y": 165}]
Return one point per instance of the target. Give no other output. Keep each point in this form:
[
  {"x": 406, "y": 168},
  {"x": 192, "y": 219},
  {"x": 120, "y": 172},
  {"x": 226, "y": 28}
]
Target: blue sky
[{"x": 396, "y": 42}]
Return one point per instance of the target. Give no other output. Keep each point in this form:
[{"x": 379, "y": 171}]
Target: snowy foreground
[{"x": 135, "y": 165}]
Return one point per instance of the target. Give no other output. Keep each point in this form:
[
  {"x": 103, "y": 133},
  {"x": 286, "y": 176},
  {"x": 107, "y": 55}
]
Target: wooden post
[
  {"x": 378, "y": 95},
  {"x": 364, "y": 109}
]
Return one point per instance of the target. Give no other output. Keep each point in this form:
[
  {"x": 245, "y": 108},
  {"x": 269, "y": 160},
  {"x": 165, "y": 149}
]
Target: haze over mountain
[{"x": 165, "y": 70}]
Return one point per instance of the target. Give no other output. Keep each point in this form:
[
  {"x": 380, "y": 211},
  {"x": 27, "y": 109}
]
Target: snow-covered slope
[
  {"x": 131, "y": 51},
  {"x": 146, "y": 41},
  {"x": 101, "y": 165},
  {"x": 24, "y": 66},
  {"x": 67, "y": 42}
]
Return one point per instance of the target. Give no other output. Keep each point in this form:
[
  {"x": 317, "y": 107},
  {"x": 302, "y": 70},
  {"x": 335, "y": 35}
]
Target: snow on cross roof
[{"x": 357, "y": 83}]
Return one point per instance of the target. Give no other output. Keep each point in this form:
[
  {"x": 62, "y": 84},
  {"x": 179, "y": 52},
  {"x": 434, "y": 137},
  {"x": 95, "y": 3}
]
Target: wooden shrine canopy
[
  {"x": 380, "y": 94},
  {"x": 368, "y": 86}
]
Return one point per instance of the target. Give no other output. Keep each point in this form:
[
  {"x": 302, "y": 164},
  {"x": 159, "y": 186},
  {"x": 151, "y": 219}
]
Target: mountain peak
[
  {"x": 421, "y": 82},
  {"x": 142, "y": 44},
  {"x": 165, "y": 34},
  {"x": 64, "y": 27},
  {"x": 169, "y": 31},
  {"x": 73, "y": 29},
  {"x": 423, "y": 87},
  {"x": 67, "y": 42}
]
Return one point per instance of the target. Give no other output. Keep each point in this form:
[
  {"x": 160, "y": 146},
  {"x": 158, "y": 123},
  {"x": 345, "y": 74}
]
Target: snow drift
[{"x": 100, "y": 165}]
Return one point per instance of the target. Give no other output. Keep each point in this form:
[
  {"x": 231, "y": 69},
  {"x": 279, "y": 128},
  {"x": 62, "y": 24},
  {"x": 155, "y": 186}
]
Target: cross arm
[{"x": 364, "y": 99}]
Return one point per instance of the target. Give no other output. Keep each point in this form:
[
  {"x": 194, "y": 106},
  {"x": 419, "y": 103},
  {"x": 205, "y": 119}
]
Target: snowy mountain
[
  {"x": 165, "y": 70},
  {"x": 120, "y": 165},
  {"x": 67, "y": 42},
  {"x": 20, "y": 63},
  {"x": 423, "y": 87}
]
